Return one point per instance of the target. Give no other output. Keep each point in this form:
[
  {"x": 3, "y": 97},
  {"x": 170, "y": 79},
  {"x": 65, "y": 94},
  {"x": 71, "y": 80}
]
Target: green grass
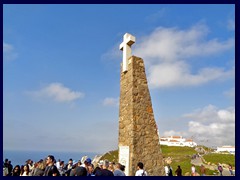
[
  {"x": 182, "y": 156},
  {"x": 174, "y": 150},
  {"x": 220, "y": 158},
  {"x": 112, "y": 156}
]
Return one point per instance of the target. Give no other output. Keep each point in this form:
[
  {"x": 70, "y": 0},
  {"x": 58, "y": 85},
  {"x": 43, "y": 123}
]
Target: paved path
[{"x": 198, "y": 162}]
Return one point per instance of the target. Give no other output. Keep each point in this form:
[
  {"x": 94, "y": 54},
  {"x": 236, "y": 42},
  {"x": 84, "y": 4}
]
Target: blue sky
[{"x": 61, "y": 73}]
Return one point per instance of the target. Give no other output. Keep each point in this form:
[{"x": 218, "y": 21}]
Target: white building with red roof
[{"x": 177, "y": 141}]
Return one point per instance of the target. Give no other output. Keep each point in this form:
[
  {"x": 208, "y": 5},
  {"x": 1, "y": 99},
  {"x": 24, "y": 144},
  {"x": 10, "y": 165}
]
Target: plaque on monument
[{"x": 124, "y": 157}]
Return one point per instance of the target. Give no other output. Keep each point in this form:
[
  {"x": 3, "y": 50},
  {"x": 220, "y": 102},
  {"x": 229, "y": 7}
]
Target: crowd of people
[
  {"x": 50, "y": 167},
  {"x": 84, "y": 167}
]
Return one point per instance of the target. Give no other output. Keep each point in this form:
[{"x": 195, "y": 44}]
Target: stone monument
[{"x": 138, "y": 133}]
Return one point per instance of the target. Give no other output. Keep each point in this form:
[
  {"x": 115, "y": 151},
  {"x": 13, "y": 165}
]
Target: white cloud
[
  {"x": 58, "y": 93},
  {"x": 226, "y": 115},
  {"x": 215, "y": 126},
  {"x": 111, "y": 101},
  {"x": 174, "y": 133},
  {"x": 8, "y": 52},
  {"x": 166, "y": 52},
  {"x": 178, "y": 74},
  {"x": 168, "y": 44},
  {"x": 211, "y": 113},
  {"x": 205, "y": 114}
]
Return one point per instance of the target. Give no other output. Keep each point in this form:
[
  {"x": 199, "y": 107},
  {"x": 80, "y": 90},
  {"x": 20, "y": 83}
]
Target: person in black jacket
[
  {"x": 104, "y": 171},
  {"x": 51, "y": 169},
  {"x": 170, "y": 171},
  {"x": 178, "y": 172}
]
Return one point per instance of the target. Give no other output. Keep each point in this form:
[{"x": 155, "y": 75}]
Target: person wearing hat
[{"x": 87, "y": 162}]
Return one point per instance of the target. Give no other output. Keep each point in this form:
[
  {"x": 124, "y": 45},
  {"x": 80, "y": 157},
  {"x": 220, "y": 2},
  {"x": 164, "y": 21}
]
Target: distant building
[
  {"x": 230, "y": 149},
  {"x": 177, "y": 141}
]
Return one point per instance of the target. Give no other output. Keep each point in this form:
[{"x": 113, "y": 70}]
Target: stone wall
[{"x": 137, "y": 126}]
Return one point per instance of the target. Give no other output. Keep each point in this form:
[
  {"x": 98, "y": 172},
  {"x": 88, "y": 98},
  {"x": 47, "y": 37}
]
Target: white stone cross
[{"x": 125, "y": 46}]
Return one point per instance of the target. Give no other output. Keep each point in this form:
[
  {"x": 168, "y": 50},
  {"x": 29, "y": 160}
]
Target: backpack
[
  {"x": 143, "y": 174},
  {"x": 170, "y": 172}
]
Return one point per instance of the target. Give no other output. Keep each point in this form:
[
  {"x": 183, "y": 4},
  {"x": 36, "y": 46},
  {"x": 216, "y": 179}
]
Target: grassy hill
[
  {"x": 182, "y": 156},
  {"x": 215, "y": 158},
  {"x": 179, "y": 156},
  {"x": 112, "y": 156}
]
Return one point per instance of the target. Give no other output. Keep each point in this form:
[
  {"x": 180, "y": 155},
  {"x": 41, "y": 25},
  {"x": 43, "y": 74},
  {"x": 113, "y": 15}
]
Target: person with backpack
[{"x": 140, "y": 171}]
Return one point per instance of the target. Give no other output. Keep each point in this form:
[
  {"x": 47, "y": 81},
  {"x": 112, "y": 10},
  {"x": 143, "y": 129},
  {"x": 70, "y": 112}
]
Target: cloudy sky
[{"x": 61, "y": 73}]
